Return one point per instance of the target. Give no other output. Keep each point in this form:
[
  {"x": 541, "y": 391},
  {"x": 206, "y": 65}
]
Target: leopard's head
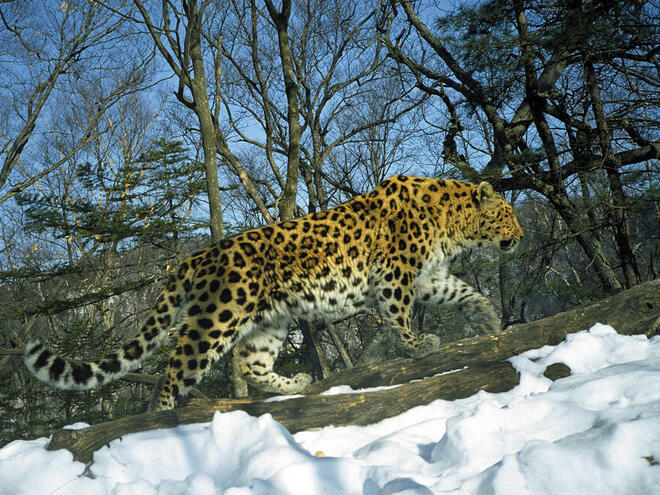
[{"x": 497, "y": 222}]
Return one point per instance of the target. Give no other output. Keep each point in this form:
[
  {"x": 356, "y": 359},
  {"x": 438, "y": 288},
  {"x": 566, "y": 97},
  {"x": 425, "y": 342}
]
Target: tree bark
[
  {"x": 619, "y": 209},
  {"x": 339, "y": 345},
  {"x": 314, "y": 355},
  {"x": 480, "y": 361},
  {"x": 299, "y": 413},
  {"x": 239, "y": 385},
  {"x": 198, "y": 88},
  {"x": 281, "y": 21}
]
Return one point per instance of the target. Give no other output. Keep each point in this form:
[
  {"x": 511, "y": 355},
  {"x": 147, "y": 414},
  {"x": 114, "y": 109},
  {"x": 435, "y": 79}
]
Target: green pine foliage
[
  {"x": 148, "y": 201},
  {"x": 120, "y": 226}
]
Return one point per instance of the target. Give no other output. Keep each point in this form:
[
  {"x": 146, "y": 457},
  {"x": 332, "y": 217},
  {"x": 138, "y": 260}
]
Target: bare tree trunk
[
  {"x": 314, "y": 353},
  {"x": 198, "y": 88},
  {"x": 339, "y": 345},
  {"x": 180, "y": 58},
  {"x": 281, "y": 20},
  {"x": 619, "y": 208}
]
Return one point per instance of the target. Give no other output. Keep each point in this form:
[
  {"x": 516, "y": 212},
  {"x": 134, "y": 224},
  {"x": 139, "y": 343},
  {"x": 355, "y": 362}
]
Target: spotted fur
[{"x": 387, "y": 248}]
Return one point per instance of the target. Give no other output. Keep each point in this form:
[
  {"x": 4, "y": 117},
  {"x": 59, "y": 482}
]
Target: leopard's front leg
[
  {"x": 395, "y": 303},
  {"x": 449, "y": 290}
]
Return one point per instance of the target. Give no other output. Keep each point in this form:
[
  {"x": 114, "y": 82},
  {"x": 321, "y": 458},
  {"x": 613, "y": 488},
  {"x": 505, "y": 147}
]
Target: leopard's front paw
[
  {"x": 424, "y": 345},
  {"x": 301, "y": 380}
]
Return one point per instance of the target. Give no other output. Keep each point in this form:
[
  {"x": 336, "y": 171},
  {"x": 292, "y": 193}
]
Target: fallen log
[
  {"x": 631, "y": 312},
  {"x": 299, "y": 413},
  {"x": 480, "y": 362}
]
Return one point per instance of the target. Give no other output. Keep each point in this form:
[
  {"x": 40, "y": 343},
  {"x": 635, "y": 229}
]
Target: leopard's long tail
[{"x": 69, "y": 374}]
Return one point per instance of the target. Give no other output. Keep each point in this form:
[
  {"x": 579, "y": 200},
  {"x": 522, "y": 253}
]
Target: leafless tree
[
  {"x": 530, "y": 90},
  {"x": 56, "y": 53}
]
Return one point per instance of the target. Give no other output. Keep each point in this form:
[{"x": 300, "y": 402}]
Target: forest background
[{"x": 135, "y": 132}]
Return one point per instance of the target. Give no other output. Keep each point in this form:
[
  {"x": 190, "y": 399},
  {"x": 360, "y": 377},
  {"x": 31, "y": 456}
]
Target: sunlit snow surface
[{"x": 595, "y": 432}]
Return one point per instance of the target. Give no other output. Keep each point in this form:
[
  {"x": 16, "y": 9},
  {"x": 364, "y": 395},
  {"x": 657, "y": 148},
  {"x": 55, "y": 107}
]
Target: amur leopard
[{"x": 387, "y": 248}]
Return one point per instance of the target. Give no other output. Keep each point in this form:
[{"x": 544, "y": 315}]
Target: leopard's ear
[{"x": 486, "y": 195}]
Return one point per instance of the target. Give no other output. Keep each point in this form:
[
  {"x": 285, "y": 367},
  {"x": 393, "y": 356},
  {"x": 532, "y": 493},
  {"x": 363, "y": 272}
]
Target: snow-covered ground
[{"x": 595, "y": 432}]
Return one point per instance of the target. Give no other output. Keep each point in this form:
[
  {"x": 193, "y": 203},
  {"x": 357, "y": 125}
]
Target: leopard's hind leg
[
  {"x": 257, "y": 354},
  {"x": 196, "y": 350}
]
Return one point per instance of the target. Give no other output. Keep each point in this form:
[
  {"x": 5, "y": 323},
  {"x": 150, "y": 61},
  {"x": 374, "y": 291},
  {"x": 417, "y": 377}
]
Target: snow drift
[{"x": 597, "y": 431}]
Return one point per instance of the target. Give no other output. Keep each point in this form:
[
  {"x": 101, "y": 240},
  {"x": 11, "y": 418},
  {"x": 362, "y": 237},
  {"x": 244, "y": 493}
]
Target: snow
[{"x": 596, "y": 431}]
